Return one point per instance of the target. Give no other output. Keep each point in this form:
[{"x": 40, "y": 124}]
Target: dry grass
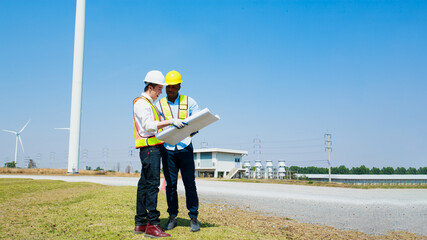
[
  {"x": 52, "y": 171},
  {"x": 45, "y": 209}
]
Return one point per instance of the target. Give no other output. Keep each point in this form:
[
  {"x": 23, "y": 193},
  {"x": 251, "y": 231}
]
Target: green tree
[
  {"x": 32, "y": 164},
  {"x": 364, "y": 170},
  {"x": 340, "y": 170},
  {"x": 359, "y": 170},
  {"x": 10, "y": 165},
  {"x": 294, "y": 169},
  {"x": 422, "y": 170},
  {"x": 99, "y": 169},
  {"x": 387, "y": 170},
  {"x": 411, "y": 170},
  {"x": 400, "y": 170},
  {"x": 375, "y": 170},
  {"x": 303, "y": 170},
  {"x": 316, "y": 170}
]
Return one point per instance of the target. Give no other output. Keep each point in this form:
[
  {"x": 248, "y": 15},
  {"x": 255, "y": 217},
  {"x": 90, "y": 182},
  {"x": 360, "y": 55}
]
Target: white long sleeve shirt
[{"x": 144, "y": 117}]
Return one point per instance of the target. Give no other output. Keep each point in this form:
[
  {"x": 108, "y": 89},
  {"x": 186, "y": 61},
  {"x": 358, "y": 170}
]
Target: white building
[
  {"x": 218, "y": 162},
  {"x": 369, "y": 178}
]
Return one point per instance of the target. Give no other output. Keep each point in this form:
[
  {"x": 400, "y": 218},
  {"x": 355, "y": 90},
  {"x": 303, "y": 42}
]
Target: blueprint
[{"x": 199, "y": 120}]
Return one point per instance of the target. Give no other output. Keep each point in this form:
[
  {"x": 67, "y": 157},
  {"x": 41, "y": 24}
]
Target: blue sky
[{"x": 286, "y": 72}]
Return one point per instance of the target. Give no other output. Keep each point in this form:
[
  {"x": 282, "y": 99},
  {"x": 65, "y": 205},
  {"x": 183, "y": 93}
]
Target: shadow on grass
[{"x": 185, "y": 223}]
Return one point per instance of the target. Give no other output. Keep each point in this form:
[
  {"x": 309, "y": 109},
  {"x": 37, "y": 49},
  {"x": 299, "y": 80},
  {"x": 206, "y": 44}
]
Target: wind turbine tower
[
  {"x": 18, "y": 137},
  {"x": 76, "y": 95}
]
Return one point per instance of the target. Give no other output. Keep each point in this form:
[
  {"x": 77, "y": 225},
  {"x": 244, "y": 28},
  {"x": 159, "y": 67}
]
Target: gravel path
[{"x": 373, "y": 211}]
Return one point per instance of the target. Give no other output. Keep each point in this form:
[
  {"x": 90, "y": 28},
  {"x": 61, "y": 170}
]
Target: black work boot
[
  {"x": 194, "y": 225},
  {"x": 171, "y": 223}
]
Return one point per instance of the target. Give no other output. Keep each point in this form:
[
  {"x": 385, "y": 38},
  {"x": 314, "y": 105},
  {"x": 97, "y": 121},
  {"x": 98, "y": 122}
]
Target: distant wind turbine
[{"x": 18, "y": 136}]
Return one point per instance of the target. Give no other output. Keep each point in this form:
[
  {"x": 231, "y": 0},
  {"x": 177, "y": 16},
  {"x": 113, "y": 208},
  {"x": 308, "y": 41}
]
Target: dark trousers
[
  {"x": 148, "y": 185},
  {"x": 181, "y": 160}
]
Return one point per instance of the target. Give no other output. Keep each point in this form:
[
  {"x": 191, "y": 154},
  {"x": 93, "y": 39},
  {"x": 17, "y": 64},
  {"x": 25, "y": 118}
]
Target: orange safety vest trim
[
  {"x": 182, "y": 108},
  {"x": 142, "y": 141}
]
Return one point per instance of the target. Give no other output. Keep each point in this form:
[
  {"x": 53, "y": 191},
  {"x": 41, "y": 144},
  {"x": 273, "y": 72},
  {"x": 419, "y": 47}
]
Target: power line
[
  {"x": 281, "y": 141},
  {"x": 289, "y": 153},
  {"x": 324, "y": 160},
  {"x": 295, "y": 140},
  {"x": 290, "y": 147}
]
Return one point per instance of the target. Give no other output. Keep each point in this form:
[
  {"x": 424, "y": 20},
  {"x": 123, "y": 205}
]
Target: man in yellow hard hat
[
  {"x": 180, "y": 156},
  {"x": 147, "y": 122}
]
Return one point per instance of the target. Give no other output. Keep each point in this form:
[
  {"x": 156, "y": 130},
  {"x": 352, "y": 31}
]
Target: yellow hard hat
[{"x": 173, "y": 78}]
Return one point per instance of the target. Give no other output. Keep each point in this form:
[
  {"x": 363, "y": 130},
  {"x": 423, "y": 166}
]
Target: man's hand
[{"x": 178, "y": 123}]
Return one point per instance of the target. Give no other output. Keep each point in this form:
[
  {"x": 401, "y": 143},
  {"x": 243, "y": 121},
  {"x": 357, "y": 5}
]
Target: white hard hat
[{"x": 155, "y": 77}]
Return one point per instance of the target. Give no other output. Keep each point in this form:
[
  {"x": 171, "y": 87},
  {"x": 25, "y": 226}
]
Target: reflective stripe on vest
[
  {"x": 139, "y": 140},
  {"x": 182, "y": 108}
]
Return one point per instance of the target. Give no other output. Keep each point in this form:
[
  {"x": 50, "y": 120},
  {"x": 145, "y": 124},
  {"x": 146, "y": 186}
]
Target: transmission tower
[
  {"x": 204, "y": 144},
  {"x": 257, "y": 147},
  {"x": 27, "y": 160},
  {"x": 52, "y": 158},
  {"x": 39, "y": 158},
  {"x": 84, "y": 156},
  {"x": 328, "y": 148},
  {"x": 131, "y": 156},
  {"x": 66, "y": 157},
  {"x": 105, "y": 152}
]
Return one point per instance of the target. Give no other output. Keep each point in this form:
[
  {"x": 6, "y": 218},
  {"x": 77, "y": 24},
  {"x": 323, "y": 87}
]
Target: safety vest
[
  {"x": 143, "y": 141},
  {"x": 182, "y": 108}
]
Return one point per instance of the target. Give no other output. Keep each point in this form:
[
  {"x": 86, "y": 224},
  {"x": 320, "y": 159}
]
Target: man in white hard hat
[
  {"x": 180, "y": 156},
  {"x": 147, "y": 122}
]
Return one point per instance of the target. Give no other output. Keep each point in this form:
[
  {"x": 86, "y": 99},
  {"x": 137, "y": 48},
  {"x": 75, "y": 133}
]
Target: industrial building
[
  {"x": 269, "y": 171},
  {"x": 227, "y": 163},
  {"x": 368, "y": 178},
  {"x": 218, "y": 162}
]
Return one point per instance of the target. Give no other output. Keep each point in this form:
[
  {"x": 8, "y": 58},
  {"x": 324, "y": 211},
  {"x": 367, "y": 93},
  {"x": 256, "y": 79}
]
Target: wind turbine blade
[
  {"x": 25, "y": 126},
  {"x": 62, "y": 128},
  {"x": 22, "y": 145},
  {"x": 9, "y": 131}
]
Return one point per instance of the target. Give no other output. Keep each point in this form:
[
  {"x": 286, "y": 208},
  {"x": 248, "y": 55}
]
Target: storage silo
[
  {"x": 282, "y": 169},
  {"x": 269, "y": 169},
  {"x": 247, "y": 167},
  {"x": 258, "y": 169},
  {"x": 246, "y": 164}
]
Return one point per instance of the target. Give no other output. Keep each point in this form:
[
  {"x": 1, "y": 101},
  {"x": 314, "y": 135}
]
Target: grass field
[
  {"x": 46, "y": 209},
  {"x": 50, "y": 171}
]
